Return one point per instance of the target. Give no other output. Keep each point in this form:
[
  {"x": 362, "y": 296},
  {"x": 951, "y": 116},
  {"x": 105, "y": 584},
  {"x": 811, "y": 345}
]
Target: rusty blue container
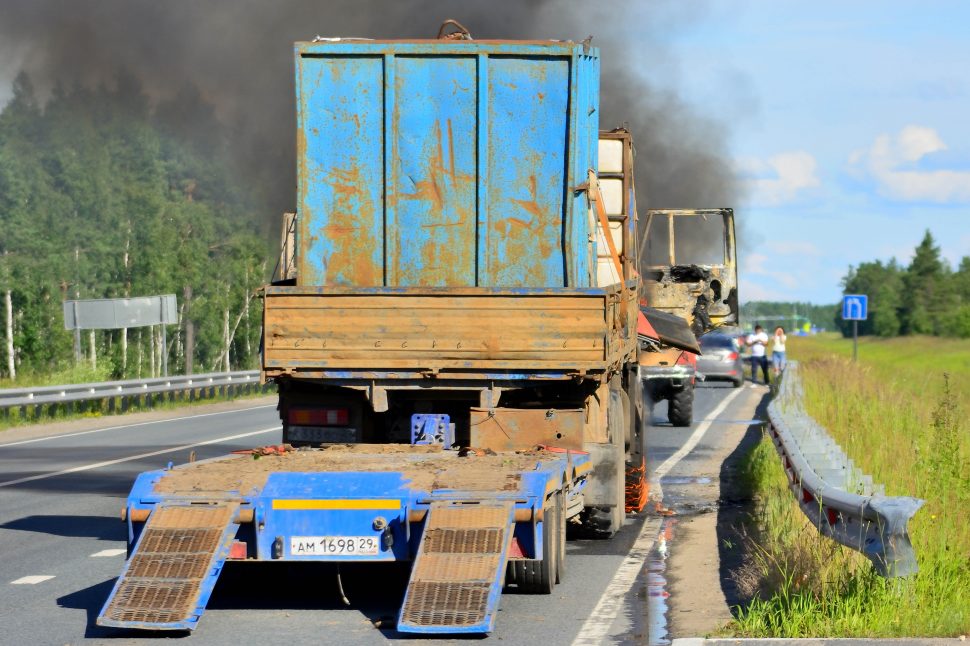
[{"x": 445, "y": 163}]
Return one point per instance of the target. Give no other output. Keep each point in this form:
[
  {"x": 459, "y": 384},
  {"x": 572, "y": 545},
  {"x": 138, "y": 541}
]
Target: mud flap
[{"x": 606, "y": 489}]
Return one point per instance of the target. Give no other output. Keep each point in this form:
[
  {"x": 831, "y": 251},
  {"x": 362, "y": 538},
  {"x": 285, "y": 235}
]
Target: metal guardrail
[
  {"x": 34, "y": 401},
  {"x": 842, "y": 502}
]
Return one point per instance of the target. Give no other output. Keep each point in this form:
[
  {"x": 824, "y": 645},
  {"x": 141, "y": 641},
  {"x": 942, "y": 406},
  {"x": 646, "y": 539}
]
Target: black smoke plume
[{"x": 237, "y": 55}]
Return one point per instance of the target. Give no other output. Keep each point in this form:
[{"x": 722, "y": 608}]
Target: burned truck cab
[{"x": 688, "y": 264}]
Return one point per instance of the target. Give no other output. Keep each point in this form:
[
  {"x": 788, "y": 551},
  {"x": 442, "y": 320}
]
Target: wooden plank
[{"x": 417, "y": 331}]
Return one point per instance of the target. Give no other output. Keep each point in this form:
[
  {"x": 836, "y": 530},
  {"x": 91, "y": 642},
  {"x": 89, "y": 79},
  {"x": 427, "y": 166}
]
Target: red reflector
[
  {"x": 237, "y": 550},
  {"x": 319, "y": 416},
  {"x": 687, "y": 358}
]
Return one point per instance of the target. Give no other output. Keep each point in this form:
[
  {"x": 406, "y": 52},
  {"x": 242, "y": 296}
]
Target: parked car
[{"x": 721, "y": 358}]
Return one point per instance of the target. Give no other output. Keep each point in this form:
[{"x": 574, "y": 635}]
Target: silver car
[{"x": 720, "y": 358}]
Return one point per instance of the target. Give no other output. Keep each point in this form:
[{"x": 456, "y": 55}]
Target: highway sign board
[
  {"x": 855, "y": 307},
  {"x": 115, "y": 313}
]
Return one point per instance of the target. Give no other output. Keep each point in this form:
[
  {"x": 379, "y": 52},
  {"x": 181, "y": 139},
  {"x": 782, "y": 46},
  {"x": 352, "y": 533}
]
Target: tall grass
[
  {"x": 81, "y": 373},
  {"x": 900, "y": 414}
]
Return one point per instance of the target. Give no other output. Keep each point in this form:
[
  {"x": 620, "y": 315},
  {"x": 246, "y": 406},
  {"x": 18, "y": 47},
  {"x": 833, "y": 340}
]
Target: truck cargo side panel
[
  {"x": 444, "y": 164},
  {"x": 431, "y": 194},
  {"x": 308, "y": 328},
  {"x": 340, "y": 148},
  {"x": 524, "y": 228}
]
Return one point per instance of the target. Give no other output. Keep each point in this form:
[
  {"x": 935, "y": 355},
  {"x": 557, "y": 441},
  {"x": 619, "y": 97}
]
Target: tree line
[
  {"x": 106, "y": 194},
  {"x": 790, "y": 315},
  {"x": 927, "y": 296}
]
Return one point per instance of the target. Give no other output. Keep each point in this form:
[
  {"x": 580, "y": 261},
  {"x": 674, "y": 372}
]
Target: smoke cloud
[{"x": 238, "y": 54}]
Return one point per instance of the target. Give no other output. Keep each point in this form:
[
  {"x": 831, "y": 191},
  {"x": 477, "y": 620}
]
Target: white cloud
[
  {"x": 756, "y": 264},
  {"x": 779, "y": 179},
  {"x": 888, "y": 161}
]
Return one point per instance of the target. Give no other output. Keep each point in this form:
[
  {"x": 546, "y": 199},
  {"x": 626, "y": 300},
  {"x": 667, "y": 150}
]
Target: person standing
[
  {"x": 778, "y": 360},
  {"x": 758, "y": 342}
]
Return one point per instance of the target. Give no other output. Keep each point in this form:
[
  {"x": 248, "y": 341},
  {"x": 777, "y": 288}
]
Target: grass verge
[{"x": 902, "y": 421}]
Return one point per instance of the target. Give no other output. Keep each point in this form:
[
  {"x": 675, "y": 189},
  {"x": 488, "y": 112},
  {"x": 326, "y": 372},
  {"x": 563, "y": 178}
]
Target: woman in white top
[{"x": 778, "y": 350}]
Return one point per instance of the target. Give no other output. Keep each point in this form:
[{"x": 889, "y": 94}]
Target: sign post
[{"x": 855, "y": 308}]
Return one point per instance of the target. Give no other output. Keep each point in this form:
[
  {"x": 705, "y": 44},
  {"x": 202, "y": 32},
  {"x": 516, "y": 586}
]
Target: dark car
[{"x": 720, "y": 358}]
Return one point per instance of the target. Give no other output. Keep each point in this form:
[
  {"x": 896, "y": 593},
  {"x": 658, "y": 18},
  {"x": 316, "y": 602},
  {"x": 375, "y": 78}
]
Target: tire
[
  {"x": 680, "y": 406},
  {"x": 561, "y": 532},
  {"x": 737, "y": 383},
  {"x": 628, "y": 435},
  {"x": 538, "y": 576}
]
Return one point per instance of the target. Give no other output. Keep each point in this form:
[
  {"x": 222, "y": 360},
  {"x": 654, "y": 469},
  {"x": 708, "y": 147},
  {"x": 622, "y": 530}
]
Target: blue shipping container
[{"x": 445, "y": 163}]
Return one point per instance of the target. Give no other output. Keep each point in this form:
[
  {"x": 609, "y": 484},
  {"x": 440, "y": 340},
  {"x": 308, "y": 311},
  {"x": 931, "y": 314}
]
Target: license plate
[{"x": 334, "y": 545}]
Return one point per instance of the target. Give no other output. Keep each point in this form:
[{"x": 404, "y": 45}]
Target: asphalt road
[{"x": 62, "y": 547}]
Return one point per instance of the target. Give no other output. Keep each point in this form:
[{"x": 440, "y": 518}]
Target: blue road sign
[{"x": 855, "y": 307}]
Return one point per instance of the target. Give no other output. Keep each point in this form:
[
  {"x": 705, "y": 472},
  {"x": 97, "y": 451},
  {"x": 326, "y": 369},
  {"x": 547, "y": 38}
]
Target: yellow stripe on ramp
[{"x": 369, "y": 503}]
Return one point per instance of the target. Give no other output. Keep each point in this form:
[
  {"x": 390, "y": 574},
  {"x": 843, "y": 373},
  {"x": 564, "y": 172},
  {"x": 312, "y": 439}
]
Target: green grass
[
  {"x": 82, "y": 373},
  {"x": 903, "y": 421}
]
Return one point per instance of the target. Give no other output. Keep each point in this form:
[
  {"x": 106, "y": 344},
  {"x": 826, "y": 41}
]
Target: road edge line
[{"x": 597, "y": 625}]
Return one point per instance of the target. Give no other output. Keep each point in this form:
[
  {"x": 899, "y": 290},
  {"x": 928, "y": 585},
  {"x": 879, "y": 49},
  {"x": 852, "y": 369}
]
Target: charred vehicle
[{"x": 688, "y": 265}]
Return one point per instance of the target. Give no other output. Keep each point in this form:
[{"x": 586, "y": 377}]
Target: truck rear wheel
[
  {"x": 680, "y": 406},
  {"x": 539, "y": 576}
]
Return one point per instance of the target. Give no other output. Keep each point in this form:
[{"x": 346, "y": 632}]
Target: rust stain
[
  {"x": 536, "y": 241},
  {"x": 352, "y": 244},
  {"x": 442, "y": 187},
  {"x": 451, "y": 149},
  {"x": 532, "y": 205}
]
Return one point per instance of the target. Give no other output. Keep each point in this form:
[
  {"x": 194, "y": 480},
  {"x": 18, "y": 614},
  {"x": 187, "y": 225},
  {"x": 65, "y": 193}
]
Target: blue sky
[{"x": 849, "y": 123}]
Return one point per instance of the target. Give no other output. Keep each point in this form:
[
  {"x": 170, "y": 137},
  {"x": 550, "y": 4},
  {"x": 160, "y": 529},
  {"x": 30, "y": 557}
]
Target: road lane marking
[
  {"x": 656, "y": 491},
  {"x": 32, "y": 580},
  {"x": 114, "y": 428},
  {"x": 597, "y": 625},
  {"x": 140, "y": 456},
  {"x": 114, "y": 552}
]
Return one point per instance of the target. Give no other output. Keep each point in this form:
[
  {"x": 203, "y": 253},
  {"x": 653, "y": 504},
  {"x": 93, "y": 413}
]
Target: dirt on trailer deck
[{"x": 426, "y": 468}]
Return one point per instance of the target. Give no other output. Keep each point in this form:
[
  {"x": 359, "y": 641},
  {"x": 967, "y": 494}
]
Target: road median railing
[
  {"x": 841, "y": 501},
  {"x": 119, "y": 396}
]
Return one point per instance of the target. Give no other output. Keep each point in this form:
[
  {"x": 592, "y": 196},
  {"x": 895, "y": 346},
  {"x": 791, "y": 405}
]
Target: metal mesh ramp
[
  {"x": 168, "y": 579},
  {"x": 459, "y": 570}
]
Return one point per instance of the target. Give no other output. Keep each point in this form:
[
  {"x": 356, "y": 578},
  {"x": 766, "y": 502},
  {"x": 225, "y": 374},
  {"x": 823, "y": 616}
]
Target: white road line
[
  {"x": 107, "y": 463},
  {"x": 114, "y": 552},
  {"x": 32, "y": 580},
  {"x": 597, "y": 625},
  {"x": 656, "y": 491},
  {"x": 113, "y": 428}
]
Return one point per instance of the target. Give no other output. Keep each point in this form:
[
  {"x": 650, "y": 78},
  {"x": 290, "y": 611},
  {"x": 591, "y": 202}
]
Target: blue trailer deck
[{"x": 460, "y": 518}]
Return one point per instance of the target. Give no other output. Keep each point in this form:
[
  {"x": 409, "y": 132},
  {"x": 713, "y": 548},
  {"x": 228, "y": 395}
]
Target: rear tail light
[
  {"x": 319, "y": 416},
  {"x": 732, "y": 356}
]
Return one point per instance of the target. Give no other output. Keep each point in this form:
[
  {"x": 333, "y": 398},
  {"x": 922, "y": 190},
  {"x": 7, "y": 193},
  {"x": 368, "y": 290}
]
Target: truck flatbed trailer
[{"x": 471, "y": 522}]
